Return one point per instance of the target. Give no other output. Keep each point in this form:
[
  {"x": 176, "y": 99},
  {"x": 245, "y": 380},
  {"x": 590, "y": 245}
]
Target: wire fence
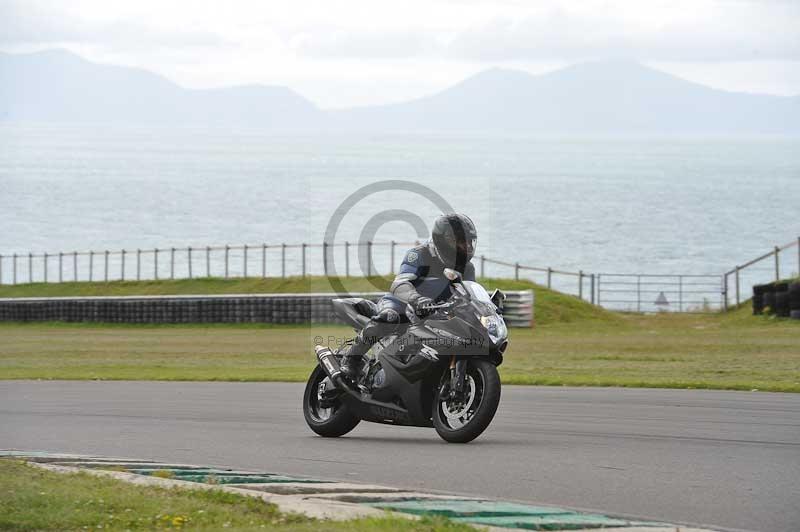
[
  {"x": 781, "y": 262},
  {"x": 249, "y": 261},
  {"x": 638, "y": 292},
  {"x": 635, "y": 292}
]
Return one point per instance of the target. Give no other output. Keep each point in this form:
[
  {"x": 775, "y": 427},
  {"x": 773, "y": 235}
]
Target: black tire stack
[
  {"x": 794, "y": 301},
  {"x": 781, "y": 298},
  {"x": 758, "y": 298}
]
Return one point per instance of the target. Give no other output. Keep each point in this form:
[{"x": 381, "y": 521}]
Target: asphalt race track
[{"x": 724, "y": 459}]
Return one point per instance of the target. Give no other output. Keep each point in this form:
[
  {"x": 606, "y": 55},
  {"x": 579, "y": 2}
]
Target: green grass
[
  {"x": 34, "y": 499},
  {"x": 732, "y": 351},
  {"x": 573, "y": 343}
]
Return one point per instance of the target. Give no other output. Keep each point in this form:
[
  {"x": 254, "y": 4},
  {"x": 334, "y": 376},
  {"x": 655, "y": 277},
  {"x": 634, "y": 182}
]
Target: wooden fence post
[
  {"x": 725, "y": 291},
  {"x": 227, "y": 252},
  {"x": 638, "y": 293}
]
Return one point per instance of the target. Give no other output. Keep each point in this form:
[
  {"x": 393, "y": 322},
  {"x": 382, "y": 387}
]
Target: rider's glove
[{"x": 422, "y": 305}]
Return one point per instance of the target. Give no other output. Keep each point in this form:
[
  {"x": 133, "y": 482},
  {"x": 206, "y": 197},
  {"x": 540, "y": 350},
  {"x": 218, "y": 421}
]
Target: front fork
[{"x": 458, "y": 376}]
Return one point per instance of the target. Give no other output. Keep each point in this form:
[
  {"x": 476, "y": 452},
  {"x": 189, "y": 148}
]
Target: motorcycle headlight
[{"x": 495, "y": 326}]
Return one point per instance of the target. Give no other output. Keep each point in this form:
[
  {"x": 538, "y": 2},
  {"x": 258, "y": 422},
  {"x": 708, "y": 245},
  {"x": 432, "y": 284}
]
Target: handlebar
[{"x": 438, "y": 306}]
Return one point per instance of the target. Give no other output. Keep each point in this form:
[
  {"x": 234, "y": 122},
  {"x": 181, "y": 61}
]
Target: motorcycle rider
[{"x": 419, "y": 283}]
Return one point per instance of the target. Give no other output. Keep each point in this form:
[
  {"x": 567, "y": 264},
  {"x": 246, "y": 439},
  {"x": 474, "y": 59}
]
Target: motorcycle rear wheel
[
  {"x": 464, "y": 421},
  {"x": 327, "y": 422}
]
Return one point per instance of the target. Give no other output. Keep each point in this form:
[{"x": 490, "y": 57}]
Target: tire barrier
[
  {"x": 252, "y": 308},
  {"x": 781, "y": 298},
  {"x": 794, "y": 300},
  {"x": 782, "y": 304},
  {"x": 769, "y": 300},
  {"x": 794, "y": 296},
  {"x": 518, "y": 308},
  {"x": 758, "y": 298}
]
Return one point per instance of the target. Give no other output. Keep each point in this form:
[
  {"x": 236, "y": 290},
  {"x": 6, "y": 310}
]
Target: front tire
[
  {"x": 327, "y": 422},
  {"x": 463, "y": 422}
]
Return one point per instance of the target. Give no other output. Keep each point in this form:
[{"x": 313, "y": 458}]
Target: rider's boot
[{"x": 353, "y": 359}]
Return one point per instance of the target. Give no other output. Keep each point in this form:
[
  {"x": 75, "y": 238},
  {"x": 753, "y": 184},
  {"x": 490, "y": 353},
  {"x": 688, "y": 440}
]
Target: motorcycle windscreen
[{"x": 481, "y": 299}]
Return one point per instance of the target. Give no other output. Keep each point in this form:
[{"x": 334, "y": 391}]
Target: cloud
[
  {"x": 351, "y": 52},
  {"x": 473, "y": 31},
  {"x": 41, "y": 23},
  {"x": 740, "y": 32},
  {"x": 342, "y": 43},
  {"x": 700, "y": 30}
]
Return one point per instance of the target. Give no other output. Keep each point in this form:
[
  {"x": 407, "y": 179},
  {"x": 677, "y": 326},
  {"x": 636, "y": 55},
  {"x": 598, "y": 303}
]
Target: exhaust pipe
[
  {"x": 328, "y": 362},
  {"x": 331, "y": 366}
]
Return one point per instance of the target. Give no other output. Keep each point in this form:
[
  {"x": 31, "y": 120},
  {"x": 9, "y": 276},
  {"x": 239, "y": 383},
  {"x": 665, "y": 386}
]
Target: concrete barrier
[{"x": 228, "y": 308}]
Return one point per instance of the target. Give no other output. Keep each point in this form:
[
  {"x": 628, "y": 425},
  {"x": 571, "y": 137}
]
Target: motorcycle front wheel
[
  {"x": 330, "y": 422},
  {"x": 463, "y": 420}
]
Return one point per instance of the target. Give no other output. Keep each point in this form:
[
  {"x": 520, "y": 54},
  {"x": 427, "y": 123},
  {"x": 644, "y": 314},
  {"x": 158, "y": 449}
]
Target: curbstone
[{"x": 326, "y": 499}]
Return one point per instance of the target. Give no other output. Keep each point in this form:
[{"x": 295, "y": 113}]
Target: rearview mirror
[{"x": 498, "y": 298}]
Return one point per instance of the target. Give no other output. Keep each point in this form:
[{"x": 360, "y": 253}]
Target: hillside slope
[{"x": 58, "y": 86}]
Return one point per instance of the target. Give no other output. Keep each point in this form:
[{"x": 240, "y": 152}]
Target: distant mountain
[
  {"x": 599, "y": 98},
  {"x": 587, "y": 98},
  {"x": 58, "y": 86}
]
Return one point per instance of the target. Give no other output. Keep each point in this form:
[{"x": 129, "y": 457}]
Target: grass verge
[
  {"x": 573, "y": 343},
  {"x": 733, "y": 351},
  {"x": 35, "y": 499}
]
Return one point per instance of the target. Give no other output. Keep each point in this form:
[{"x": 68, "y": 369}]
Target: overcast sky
[{"x": 351, "y": 52}]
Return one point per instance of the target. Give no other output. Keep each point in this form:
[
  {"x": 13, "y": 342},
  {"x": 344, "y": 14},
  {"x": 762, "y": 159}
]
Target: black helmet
[{"x": 453, "y": 240}]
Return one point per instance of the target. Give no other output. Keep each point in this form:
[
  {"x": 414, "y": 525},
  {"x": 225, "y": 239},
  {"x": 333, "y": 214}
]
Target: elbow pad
[{"x": 404, "y": 290}]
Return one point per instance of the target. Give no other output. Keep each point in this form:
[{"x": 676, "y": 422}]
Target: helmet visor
[{"x": 467, "y": 246}]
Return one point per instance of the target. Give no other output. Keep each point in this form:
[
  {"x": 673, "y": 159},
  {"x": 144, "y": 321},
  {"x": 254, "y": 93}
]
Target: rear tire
[
  {"x": 328, "y": 423},
  {"x": 487, "y": 392}
]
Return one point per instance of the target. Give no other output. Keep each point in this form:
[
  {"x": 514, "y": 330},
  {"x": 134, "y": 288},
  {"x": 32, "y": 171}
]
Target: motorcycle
[{"x": 439, "y": 371}]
